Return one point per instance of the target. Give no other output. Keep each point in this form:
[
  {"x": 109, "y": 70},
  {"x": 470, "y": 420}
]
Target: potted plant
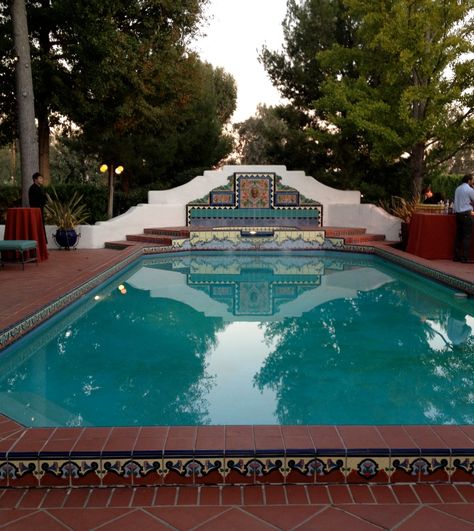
[
  {"x": 66, "y": 215},
  {"x": 403, "y": 209}
]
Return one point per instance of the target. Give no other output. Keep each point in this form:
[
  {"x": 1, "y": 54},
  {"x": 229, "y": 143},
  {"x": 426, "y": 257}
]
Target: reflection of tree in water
[
  {"x": 348, "y": 377},
  {"x": 165, "y": 353}
]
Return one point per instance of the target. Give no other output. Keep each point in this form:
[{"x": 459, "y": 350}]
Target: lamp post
[{"x": 111, "y": 171}]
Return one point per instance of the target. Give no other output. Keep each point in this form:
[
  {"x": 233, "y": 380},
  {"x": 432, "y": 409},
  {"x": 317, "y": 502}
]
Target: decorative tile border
[{"x": 188, "y": 469}]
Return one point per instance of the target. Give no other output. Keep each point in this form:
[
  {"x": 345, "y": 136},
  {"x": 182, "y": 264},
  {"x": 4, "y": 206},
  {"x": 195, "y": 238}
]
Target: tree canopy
[
  {"x": 387, "y": 86},
  {"x": 121, "y": 77}
]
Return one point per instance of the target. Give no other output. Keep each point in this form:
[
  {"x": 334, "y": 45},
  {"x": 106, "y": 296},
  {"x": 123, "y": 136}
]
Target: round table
[{"x": 27, "y": 224}]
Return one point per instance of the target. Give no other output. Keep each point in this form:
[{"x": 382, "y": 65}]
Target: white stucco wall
[{"x": 167, "y": 208}]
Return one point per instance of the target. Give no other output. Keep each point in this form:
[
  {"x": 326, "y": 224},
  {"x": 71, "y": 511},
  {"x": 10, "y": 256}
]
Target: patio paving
[{"x": 253, "y": 507}]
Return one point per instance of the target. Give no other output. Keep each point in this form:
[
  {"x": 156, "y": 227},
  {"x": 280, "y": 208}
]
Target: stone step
[
  {"x": 156, "y": 239},
  {"x": 163, "y": 236},
  {"x": 364, "y": 238},
  {"x": 341, "y": 232},
  {"x": 175, "y": 232},
  {"x": 118, "y": 246}
]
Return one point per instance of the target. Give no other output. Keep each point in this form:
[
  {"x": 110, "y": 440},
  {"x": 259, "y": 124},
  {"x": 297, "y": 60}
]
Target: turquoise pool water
[{"x": 330, "y": 338}]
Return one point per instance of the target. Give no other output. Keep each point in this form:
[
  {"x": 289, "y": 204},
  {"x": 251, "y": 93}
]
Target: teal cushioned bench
[{"x": 20, "y": 246}]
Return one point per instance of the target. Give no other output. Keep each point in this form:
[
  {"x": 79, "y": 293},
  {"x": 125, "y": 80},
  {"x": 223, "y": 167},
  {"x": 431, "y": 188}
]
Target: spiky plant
[{"x": 65, "y": 214}]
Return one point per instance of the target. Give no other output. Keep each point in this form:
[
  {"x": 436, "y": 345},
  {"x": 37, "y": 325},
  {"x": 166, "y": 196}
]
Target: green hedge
[{"x": 94, "y": 196}]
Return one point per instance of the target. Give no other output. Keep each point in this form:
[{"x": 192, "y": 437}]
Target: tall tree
[
  {"x": 24, "y": 97},
  {"x": 310, "y": 27},
  {"x": 121, "y": 73},
  {"x": 413, "y": 95},
  {"x": 386, "y": 86}
]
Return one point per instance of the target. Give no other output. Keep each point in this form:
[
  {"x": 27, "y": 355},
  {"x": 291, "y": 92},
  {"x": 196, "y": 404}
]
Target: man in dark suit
[{"x": 36, "y": 196}]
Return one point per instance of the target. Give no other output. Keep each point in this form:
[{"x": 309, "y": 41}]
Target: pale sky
[{"x": 236, "y": 32}]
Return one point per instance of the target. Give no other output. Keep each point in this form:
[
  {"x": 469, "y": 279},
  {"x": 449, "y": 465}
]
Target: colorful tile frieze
[{"x": 259, "y": 195}]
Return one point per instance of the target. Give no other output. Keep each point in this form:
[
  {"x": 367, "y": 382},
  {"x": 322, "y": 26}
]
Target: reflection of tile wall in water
[{"x": 254, "y": 299}]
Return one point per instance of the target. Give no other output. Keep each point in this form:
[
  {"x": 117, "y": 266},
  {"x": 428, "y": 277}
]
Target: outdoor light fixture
[{"x": 110, "y": 169}]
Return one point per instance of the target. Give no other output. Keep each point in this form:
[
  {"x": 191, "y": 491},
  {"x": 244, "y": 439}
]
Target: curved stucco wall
[
  {"x": 167, "y": 208},
  {"x": 200, "y": 186}
]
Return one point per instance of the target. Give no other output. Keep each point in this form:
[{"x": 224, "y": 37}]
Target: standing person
[
  {"x": 463, "y": 203},
  {"x": 36, "y": 196}
]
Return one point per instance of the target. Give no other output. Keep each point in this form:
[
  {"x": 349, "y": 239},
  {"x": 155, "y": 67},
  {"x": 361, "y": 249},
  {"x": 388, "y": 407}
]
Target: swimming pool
[{"x": 298, "y": 339}]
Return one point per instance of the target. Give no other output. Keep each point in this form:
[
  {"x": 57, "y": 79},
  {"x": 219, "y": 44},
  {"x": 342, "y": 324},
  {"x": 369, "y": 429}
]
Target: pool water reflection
[{"x": 315, "y": 338}]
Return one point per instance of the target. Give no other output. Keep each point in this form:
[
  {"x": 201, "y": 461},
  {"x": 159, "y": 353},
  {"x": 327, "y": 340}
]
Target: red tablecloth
[
  {"x": 432, "y": 236},
  {"x": 26, "y": 224}
]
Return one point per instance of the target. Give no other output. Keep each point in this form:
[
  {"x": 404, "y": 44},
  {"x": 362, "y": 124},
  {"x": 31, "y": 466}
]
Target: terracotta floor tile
[
  {"x": 284, "y": 517},
  {"x": 275, "y": 495},
  {"x": 425, "y": 437},
  {"x": 426, "y": 493},
  {"x": 121, "y": 497},
  {"x": 448, "y": 493},
  {"x": 462, "y": 511},
  {"x": 143, "y": 497},
  {"x": 55, "y": 498},
  {"x": 85, "y": 520},
  {"x": 187, "y": 496},
  {"x": 210, "y": 496},
  {"x": 12, "y": 498},
  {"x": 99, "y": 498},
  {"x": 11, "y": 515},
  {"x": 136, "y": 519},
  {"x": 166, "y": 496},
  {"x": 383, "y": 494},
  {"x": 361, "y": 437},
  {"x": 210, "y": 438},
  {"x": 396, "y": 437},
  {"x": 296, "y": 494},
  {"x": 77, "y": 498},
  {"x": 252, "y": 495},
  {"x": 466, "y": 491},
  {"x": 235, "y": 519},
  {"x": 405, "y": 494},
  {"x": 361, "y": 494},
  {"x": 340, "y": 494},
  {"x": 433, "y": 520},
  {"x": 453, "y": 436},
  {"x": 268, "y": 438},
  {"x": 186, "y": 519},
  {"x": 318, "y": 494},
  {"x": 232, "y": 495},
  {"x": 121, "y": 439},
  {"x": 334, "y": 518},
  {"x": 469, "y": 431},
  {"x": 91, "y": 439},
  {"x": 32, "y": 499},
  {"x": 326, "y": 437},
  {"x": 38, "y": 520},
  {"x": 385, "y": 516},
  {"x": 62, "y": 440}
]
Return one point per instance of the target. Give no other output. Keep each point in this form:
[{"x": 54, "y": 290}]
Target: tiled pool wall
[{"x": 183, "y": 455}]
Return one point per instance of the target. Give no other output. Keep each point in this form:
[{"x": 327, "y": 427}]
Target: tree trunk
[
  {"x": 43, "y": 142},
  {"x": 24, "y": 97},
  {"x": 42, "y": 110},
  {"x": 110, "y": 202},
  {"x": 417, "y": 164}
]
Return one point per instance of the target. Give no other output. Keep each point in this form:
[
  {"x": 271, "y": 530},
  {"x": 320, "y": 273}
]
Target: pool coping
[{"x": 183, "y": 455}]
